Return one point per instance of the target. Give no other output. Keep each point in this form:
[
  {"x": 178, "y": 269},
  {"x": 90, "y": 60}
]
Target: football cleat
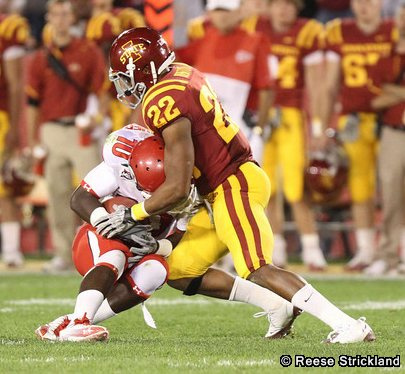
[
  {"x": 358, "y": 263},
  {"x": 50, "y": 331},
  {"x": 314, "y": 259},
  {"x": 354, "y": 332},
  {"x": 281, "y": 320},
  {"x": 66, "y": 328},
  {"x": 377, "y": 268}
]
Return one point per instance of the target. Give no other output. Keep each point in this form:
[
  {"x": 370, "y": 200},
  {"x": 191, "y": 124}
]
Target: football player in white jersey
[{"x": 111, "y": 284}]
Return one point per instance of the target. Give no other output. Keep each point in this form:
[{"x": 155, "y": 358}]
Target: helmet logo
[{"x": 131, "y": 50}]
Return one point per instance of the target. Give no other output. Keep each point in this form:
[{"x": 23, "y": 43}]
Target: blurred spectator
[
  {"x": 13, "y": 36},
  {"x": 60, "y": 78},
  {"x": 104, "y": 25},
  {"x": 184, "y": 11},
  {"x": 296, "y": 66},
  {"x": 355, "y": 48},
  {"x": 233, "y": 60},
  {"x": 392, "y": 161},
  {"x": 331, "y": 9}
]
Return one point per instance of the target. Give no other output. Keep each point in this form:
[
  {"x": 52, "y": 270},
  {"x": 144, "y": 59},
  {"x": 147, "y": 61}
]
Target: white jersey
[{"x": 113, "y": 176}]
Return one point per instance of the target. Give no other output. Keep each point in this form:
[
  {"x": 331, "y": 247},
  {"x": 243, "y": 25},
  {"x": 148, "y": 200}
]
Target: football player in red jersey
[
  {"x": 14, "y": 33},
  {"x": 355, "y": 48},
  {"x": 296, "y": 61},
  {"x": 132, "y": 166},
  {"x": 203, "y": 142}
]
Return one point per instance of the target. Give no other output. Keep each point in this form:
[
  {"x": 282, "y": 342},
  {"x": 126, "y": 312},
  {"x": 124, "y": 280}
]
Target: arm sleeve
[{"x": 100, "y": 181}]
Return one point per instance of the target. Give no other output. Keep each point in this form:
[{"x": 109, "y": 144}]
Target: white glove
[
  {"x": 193, "y": 200},
  {"x": 114, "y": 223}
]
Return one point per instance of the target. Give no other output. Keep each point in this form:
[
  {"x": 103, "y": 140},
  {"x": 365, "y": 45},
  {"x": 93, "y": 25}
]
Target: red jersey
[
  {"x": 55, "y": 96},
  {"x": 103, "y": 28},
  {"x": 232, "y": 62},
  {"x": 14, "y": 31},
  {"x": 360, "y": 59},
  {"x": 220, "y": 148},
  {"x": 287, "y": 59}
]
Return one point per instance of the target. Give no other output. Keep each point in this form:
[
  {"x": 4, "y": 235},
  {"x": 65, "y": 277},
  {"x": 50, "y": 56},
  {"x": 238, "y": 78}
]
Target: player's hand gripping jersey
[
  {"x": 220, "y": 148},
  {"x": 360, "y": 55}
]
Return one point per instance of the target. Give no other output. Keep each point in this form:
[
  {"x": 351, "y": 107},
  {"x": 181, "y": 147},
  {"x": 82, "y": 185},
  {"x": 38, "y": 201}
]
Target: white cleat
[
  {"x": 354, "y": 332},
  {"x": 280, "y": 257},
  {"x": 66, "y": 328},
  {"x": 377, "y": 268},
  {"x": 358, "y": 262},
  {"x": 280, "y": 320},
  {"x": 314, "y": 259}
]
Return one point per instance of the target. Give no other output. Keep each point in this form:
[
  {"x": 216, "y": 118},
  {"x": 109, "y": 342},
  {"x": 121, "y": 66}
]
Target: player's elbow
[
  {"x": 75, "y": 201},
  {"x": 180, "y": 194}
]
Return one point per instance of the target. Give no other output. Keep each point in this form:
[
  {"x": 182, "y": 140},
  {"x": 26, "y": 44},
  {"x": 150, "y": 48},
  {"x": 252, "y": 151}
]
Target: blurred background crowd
[{"x": 316, "y": 85}]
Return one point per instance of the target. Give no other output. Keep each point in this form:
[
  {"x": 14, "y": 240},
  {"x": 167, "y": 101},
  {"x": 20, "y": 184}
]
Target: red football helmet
[
  {"x": 326, "y": 174},
  {"x": 146, "y": 162},
  {"x": 137, "y": 58}
]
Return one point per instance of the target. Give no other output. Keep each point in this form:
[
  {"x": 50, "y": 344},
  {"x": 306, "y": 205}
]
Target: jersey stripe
[
  {"x": 249, "y": 24},
  {"x": 179, "y": 81},
  {"x": 230, "y": 205},
  {"x": 195, "y": 28},
  {"x": 249, "y": 214}
]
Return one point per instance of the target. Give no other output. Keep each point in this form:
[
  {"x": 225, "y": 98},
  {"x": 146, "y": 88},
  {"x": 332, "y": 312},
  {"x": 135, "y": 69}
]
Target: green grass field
[{"x": 195, "y": 334}]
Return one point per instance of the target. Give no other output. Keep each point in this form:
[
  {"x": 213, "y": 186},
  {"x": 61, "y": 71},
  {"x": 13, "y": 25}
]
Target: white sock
[
  {"x": 402, "y": 246},
  {"x": 88, "y": 302},
  {"x": 310, "y": 242},
  {"x": 10, "y": 240},
  {"x": 310, "y": 300},
  {"x": 104, "y": 312},
  {"x": 251, "y": 293},
  {"x": 279, "y": 250},
  {"x": 366, "y": 244}
]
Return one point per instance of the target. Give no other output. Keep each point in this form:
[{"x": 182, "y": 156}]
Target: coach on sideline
[{"x": 60, "y": 79}]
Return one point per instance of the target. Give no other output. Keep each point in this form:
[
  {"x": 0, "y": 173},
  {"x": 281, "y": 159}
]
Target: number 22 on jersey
[{"x": 224, "y": 125}]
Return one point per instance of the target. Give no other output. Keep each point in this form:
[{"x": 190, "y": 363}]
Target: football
[{"x": 111, "y": 204}]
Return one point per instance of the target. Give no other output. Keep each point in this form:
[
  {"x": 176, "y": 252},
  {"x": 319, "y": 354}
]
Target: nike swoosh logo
[{"x": 308, "y": 297}]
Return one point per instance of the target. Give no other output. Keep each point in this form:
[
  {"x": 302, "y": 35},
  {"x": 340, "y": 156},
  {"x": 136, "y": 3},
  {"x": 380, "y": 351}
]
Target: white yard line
[{"x": 162, "y": 302}]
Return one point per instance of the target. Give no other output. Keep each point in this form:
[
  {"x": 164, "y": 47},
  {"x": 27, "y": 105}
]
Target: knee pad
[
  {"x": 148, "y": 275},
  {"x": 115, "y": 260}
]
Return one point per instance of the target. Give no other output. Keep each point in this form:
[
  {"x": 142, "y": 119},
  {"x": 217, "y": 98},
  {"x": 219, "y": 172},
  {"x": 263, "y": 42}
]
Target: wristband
[
  {"x": 138, "y": 212},
  {"x": 96, "y": 214},
  {"x": 165, "y": 248}
]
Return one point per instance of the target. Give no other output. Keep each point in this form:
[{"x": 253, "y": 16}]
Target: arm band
[
  {"x": 96, "y": 214},
  {"x": 165, "y": 247},
  {"x": 138, "y": 212}
]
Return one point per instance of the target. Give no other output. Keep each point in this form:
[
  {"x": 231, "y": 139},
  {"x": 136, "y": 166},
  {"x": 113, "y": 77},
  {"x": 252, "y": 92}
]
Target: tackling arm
[{"x": 179, "y": 163}]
